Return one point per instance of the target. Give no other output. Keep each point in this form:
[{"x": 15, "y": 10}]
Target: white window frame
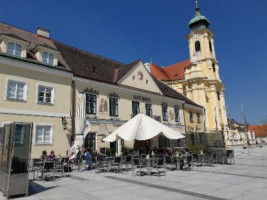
[
  {"x": 179, "y": 114},
  {"x": 24, "y": 92},
  {"x": 47, "y": 60},
  {"x": 97, "y": 97},
  {"x": 52, "y": 94},
  {"x": 117, "y": 107},
  {"x": 14, "y": 50},
  {"x": 51, "y": 134}
]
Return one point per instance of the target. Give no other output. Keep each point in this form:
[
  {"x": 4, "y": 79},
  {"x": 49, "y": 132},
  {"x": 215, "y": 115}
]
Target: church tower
[{"x": 202, "y": 82}]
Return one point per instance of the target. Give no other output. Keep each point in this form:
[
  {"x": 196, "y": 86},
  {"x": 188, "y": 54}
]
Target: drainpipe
[{"x": 73, "y": 102}]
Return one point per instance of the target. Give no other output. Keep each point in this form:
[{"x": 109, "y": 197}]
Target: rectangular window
[
  {"x": 16, "y": 90},
  {"x": 19, "y": 134},
  {"x": 177, "y": 114},
  {"x": 165, "y": 112},
  {"x": 135, "y": 108},
  {"x": 191, "y": 115},
  {"x": 91, "y": 104},
  {"x": 90, "y": 141},
  {"x": 48, "y": 58},
  {"x": 149, "y": 110},
  {"x": 45, "y": 94},
  {"x": 113, "y": 106},
  {"x": 198, "y": 118},
  {"x": 14, "y": 49},
  {"x": 43, "y": 134}
]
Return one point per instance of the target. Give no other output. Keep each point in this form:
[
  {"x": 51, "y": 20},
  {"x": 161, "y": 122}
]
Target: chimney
[{"x": 43, "y": 32}]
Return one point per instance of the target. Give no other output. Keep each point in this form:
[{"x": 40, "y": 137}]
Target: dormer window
[
  {"x": 46, "y": 55},
  {"x": 48, "y": 58},
  {"x": 14, "y": 49}
]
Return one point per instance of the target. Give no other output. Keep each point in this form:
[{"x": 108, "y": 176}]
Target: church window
[
  {"x": 213, "y": 67},
  {"x": 197, "y": 46},
  {"x": 210, "y": 45},
  {"x": 218, "y": 96}
]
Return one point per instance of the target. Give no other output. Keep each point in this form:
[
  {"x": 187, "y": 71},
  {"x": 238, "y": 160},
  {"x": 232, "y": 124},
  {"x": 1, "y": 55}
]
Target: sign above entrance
[{"x": 140, "y": 98}]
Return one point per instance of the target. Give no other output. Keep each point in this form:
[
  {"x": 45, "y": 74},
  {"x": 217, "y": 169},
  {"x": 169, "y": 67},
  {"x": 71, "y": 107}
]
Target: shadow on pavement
[{"x": 35, "y": 188}]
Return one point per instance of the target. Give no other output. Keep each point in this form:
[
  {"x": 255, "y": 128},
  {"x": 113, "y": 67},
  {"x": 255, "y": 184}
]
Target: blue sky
[{"x": 126, "y": 30}]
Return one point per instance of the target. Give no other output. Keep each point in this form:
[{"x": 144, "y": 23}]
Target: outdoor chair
[
  {"x": 81, "y": 164},
  {"x": 128, "y": 161},
  {"x": 58, "y": 167},
  {"x": 220, "y": 157},
  {"x": 35, "y": 167},
  {"x": 214, "y": 157},
  {"x": 160, "y": 164},
  {"x": 101, "y": 164},
  {"x": 137, "y": 164},
  {"x": 116, "y": 165},
  {"x": 66, "y": 164},
  {"x": 47, "y": 169},
  {"x": 231, "y": 158},
  {"x": 109, "y": 162},
  {"x": 143, "y": 158},
  {"x": 201, "y": 159},
  {"x": 194, "y": 161},
  {"x": 170, "y": 163},
  {"x": 187, "y": 162},
  {"x": 209, "y": 160}
]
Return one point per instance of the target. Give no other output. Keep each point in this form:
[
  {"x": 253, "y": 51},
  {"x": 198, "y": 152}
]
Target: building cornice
[
  {"x": 186, "y": 105},
  {"x": 32, "y": 65},
  {"x": 33, "y": 113}
]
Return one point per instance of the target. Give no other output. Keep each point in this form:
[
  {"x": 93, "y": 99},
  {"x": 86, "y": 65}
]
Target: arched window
[
  {"x": 210, "y": 45},
  {"x": 197, "y": 46},
  {"x": 213, "y": 67},
  {"x": 218, "y": 96}
]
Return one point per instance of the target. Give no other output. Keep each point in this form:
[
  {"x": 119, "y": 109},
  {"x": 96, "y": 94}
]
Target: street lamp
[{"x": 64, "y": 123}]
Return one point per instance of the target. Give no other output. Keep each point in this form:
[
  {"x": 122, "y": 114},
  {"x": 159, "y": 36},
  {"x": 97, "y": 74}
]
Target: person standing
[{"x": 88, "y": 158}]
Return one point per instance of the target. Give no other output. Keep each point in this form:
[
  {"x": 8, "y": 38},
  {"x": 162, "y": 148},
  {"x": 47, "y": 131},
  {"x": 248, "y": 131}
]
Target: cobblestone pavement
[{"x": 247, "y": 179}]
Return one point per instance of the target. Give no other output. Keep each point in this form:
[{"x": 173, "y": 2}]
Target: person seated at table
[
  {"x": 44, "y": 156},
  {"x": 88, "y": 158},
  {"x": 51, "y": 156}
]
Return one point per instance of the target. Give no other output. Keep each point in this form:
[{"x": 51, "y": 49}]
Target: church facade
[{"x": 198, "y": 78}]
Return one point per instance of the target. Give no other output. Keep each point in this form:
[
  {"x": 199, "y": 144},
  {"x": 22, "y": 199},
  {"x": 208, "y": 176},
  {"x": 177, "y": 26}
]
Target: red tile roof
[
  {"x": 170, "y": 73},
  {"x": 260, "y": 130}
]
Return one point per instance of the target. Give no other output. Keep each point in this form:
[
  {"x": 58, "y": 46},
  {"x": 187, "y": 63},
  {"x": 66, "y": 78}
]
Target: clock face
[{"x": 140, "y": 75}]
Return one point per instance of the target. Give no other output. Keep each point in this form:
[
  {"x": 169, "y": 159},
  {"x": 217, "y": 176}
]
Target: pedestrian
[{"x": 88, "y": 158}]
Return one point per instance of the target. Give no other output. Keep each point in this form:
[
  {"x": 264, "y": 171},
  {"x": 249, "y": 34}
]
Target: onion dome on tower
[{"x": 199, "y": 21}]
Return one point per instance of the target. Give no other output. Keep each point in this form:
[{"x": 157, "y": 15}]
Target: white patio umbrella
[{"x": 142, "y": 127}]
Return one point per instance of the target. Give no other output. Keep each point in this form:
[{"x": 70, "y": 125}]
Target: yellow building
[
  {"x": 198, "y": 78},
  {"x": 47, "y": 83},
  {"x": 34, "y": 88}
]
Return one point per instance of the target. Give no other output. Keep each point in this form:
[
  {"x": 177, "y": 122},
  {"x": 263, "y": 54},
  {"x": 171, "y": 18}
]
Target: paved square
[{"x": 247, "y": 179}]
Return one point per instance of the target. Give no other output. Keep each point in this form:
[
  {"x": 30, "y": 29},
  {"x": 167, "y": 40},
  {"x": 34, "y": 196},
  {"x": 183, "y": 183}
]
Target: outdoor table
[{"x": 177, "y": 159}]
